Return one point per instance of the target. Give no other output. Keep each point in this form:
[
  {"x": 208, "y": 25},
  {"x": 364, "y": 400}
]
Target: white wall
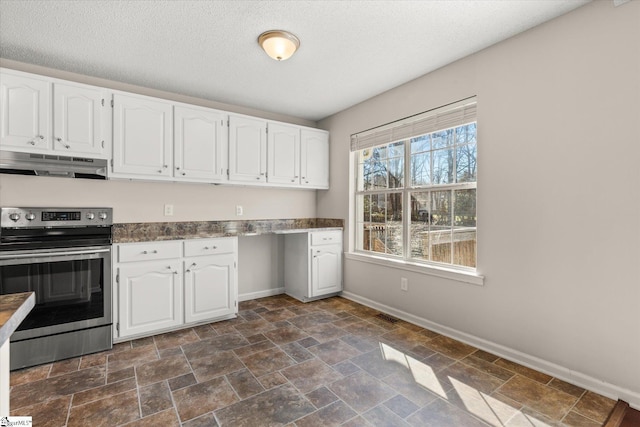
[
  {"x": 559, "y": 198},
  {"x": 261, "y": 259}
]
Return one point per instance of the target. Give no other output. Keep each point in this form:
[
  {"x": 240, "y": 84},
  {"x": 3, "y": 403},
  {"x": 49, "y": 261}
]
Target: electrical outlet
[
  {"x": 239, "y": 210},
  {"x": 168, "y": 210},
  {"x": 404, "y": 284}
]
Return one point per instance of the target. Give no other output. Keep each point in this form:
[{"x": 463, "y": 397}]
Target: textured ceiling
[{"x": 350, "y": 50}]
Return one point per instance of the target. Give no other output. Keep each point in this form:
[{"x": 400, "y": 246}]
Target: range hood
[{"x": 49, "y": 165}]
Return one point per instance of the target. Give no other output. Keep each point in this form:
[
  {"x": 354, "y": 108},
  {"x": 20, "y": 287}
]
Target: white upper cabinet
[
  {"x": 200, "y": 144},
  {"x": 283, "y": 150},
  {"x": 314, "y": 159},
  {"x": 155, "y": 139},
  {"x": 247, "y": 149},
  {"x": 31, "y": 105},
  {"x": 77, "y": 121},
  {"x": 26, "y": 113},
  {"x": 142, "y": 137}
]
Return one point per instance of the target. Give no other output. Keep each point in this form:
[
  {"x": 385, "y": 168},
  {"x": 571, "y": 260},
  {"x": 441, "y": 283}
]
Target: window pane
[
  {"x": 443, "y": 166},
  {"x": 440, "y": 230},
  {"x": 420, "y": 221},
  {"x": 466, "y": 134},
  {"x": 395, "y": 167},
  {"x": 380, "y": 152},
  {"x": 394, "y": 224},
  {"x": 396, "y": 149},
  {"x": 420, "y": 143},
  {"x": 465, "y": 208},
  {"x": 421, "y": 169},
  {"x": 466, "y": 163},
  {"x": 442, "y": 139},
  {"x": 378, "y": 174},
  {"x": 464, "y": 233}
]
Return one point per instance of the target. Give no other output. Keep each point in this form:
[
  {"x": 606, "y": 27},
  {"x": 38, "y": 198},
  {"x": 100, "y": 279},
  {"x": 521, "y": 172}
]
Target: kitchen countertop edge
[
  {"x": 164, "y": 231},
  {"x": 13, "y": 309}
]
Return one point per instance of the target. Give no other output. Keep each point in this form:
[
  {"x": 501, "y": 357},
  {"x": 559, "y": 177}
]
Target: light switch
[{"x": 168, "y": 210}]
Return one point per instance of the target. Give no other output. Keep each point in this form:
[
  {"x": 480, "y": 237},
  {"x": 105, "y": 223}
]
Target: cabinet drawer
[
  {"x": 200, "y": 247},
  {"x": 149, "y": 251},
  {"x": 326, "y": 237}
]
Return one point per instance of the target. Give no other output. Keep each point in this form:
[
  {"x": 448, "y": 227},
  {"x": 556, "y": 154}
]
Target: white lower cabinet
[
  {"x": 164, "y": 285},
  {"x": 209, "y": 279},
  {"x": 313, "y": 264},
  {"x": 149, "y": 297}
]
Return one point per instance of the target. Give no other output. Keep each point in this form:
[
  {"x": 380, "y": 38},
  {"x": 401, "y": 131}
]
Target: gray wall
[{"x": 558, "y": 199}]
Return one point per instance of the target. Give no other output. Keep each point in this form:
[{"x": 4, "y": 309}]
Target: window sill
[{"x": 445, "y": 273}]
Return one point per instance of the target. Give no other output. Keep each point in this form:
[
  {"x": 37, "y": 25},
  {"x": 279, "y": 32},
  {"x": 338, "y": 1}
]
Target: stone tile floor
[{"x": 281, "y": 362}]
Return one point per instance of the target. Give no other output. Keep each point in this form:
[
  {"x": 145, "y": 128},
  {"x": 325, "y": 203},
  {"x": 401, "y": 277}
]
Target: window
[{"x": 416, "y": 187}]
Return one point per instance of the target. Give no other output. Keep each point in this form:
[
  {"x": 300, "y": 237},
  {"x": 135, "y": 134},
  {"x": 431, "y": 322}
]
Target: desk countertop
[
  {"x": 158, "y": 231},
  {"x": 13, "y": 309}
]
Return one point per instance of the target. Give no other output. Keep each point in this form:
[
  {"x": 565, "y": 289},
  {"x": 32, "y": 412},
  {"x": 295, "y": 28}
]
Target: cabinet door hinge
[
  {"x": 103, "y": 102},
  {"x": 118, "y": 327},
  {"x": 112, "y": 103},
  {"x": 117, "y": 278},
  {"x": 112, "y": 163},
  {"x": 103, "y": 143},
  {"x": 235, "y": 303},
  {"x": 235, "y": 265},
  {"x": 228, "y": 123},
  {"x": 227, "y": 172}
]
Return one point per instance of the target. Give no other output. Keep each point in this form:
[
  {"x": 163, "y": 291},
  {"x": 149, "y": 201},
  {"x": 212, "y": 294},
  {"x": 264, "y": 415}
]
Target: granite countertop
[
  {"x": 13, "y": 309},
  {"x": 157, "y": 231}
]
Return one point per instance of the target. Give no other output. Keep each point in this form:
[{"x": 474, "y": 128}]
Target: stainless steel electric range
[{"x": 64, "y": 256}]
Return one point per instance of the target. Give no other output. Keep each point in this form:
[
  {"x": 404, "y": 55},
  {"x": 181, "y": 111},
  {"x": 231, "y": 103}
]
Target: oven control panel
[{"x": 54, "y": 217}]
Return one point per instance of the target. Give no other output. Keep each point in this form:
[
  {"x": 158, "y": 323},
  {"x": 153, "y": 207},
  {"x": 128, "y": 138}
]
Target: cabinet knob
[
  {"x": 159, "y": 170},
  {"x": 183, "y": 173},
  {"x": 165, "y": 166}
]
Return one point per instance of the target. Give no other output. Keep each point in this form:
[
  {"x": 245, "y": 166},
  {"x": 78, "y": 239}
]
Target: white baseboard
[
  {"x": 260, "y": 294},
  {"x": 585, "y": 381}
]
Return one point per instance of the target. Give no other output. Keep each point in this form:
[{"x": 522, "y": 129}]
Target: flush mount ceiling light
[{"x": 278, "y": 44}]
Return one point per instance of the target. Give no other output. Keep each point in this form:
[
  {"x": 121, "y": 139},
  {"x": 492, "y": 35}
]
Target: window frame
[{"x": 406, "y": 261}]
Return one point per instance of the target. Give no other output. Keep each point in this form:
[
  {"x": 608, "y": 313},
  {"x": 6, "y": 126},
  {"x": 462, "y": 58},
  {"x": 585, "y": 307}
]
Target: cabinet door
[
  {"x": 326, "y": 270},
  {"x": 149, "y": 297},
  {"x": 210, "y": 290},
  {"x": 314, "y": 159},
  {"x": 25, "y": 111},
  {"x": 142, "y": 136},
  {"x": 200, "y": 144},
  {"x": 247, "y": 149},
  {"x": 283, "y": 150},
  {"x": 77, "y": 120}
]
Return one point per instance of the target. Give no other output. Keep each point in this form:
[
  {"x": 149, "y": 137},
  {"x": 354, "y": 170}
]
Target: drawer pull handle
[
  {"x": 190, "y": 267},
  {"x": 153, "y": 252}
]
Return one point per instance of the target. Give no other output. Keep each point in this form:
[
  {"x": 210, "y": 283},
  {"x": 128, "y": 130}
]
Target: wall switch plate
[
  {"x": 239, "y": 210},
  {"x": 404, "y": 284},
  {"x": 168, "y": 210}
]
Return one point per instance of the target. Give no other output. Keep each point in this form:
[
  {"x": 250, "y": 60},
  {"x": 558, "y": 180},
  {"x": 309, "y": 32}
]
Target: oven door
[{"x": 72, "y": 288}]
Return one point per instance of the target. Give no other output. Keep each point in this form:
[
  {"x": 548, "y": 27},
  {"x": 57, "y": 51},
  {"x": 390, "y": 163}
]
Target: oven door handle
[{"x": 53, "y": 254}]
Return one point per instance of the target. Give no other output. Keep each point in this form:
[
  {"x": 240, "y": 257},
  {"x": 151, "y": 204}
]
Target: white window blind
[{"x": 452, "y": 115}]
